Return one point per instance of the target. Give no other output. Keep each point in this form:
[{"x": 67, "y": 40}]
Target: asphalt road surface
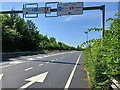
[{"x": 55, "y": 70}]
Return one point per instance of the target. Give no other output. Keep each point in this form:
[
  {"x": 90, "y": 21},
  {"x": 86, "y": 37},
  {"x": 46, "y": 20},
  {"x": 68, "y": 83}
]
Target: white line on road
[
  {"x": 30, "y": 59},
  {"x": 47, "y": 62},
  {"x": 39, "y": 57},
  {"x": 71, "y": 75},
  {"x": 39, "y": 78},
  {"x": 41, "y": 64},
  {"x": 4, "y": 63},
  {"x": 5, "y": 66},
  {"x": 28, "y": 69},
  {"x": 52, "y": 60},
  {"x": 15, "y": 62},
  {"x": 1, "y": 75}
]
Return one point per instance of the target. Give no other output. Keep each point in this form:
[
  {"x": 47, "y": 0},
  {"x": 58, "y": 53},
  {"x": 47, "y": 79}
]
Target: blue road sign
[
  {"x": 59, "y": 8},
  {"x": 35, "y": 9}
]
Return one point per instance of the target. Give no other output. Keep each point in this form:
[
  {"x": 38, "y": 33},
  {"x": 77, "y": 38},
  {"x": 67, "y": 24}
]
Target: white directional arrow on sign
[{"x": 39, "y": 78}]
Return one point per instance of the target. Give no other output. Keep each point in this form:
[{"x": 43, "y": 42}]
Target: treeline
[{"x": 21, "y": 35}]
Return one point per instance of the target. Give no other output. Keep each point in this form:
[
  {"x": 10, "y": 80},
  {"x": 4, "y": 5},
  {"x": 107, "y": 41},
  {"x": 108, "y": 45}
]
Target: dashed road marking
[
  {"x": 5, "y": 66},
  {"x": 1, "y": 75},
  {"x": 30, "y": 59},
  {"x": 41, "y": 64},
  {"x": 39, "y": 57},
  {"x": 28, "y": 69},
  {"x": 15, "y": 62},
  {"x": 47, "y": 62},
  {"x": 4, "y": 63},
  {"x": 52, "y": 60}
]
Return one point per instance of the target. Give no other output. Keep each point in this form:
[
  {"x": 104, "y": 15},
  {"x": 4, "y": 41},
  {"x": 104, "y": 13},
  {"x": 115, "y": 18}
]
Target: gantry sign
[
  {"x": 62, "y": 9},
  {"x": 76, "y": 8}
]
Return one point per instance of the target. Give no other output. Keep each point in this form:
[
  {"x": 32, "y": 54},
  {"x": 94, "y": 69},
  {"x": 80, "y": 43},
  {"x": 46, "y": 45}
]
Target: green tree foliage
[
  {"x": 79, "y": 48},
  {"x": 18, "y": 35},
  {"x": 102, "y": 56}
]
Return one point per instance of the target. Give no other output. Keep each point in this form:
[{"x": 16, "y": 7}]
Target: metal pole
[{"x": 103, "y": 20}]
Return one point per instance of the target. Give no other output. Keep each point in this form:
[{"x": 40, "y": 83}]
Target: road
[{"x": 55, "y": 70}]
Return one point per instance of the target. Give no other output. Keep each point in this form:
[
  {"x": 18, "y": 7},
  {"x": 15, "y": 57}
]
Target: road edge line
[{"x": 72, "y": 73}]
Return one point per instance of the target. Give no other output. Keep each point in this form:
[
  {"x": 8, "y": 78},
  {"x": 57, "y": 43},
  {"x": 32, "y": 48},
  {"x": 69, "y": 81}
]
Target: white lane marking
[
  {"x": 47, "y": 62},
  {"x": 52, "y": 60},
  {"x": 41, "y": 64},
  {"x": 4, "y": 63},
  {"x": 28, "y": 69},
  {"x": 15, "y": 62},
  {"x": 45, "y": 56},
  {"x": 5, "y": 66},
  {"x": 30, "y": 59},
  {"x": 12, "y": 59},
  {"x": 71, "y": 75},
  {"x": 39, "y": 57},
  {"x": 38, "y": 78},
  {"x": 1, "y": 75}
]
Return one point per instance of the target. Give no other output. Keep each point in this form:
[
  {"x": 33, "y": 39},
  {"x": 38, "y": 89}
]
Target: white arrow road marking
[
  {"x": 39, "y": 78},
  {"x": 1, "y": 75},
  {"x": 71, "y": 75},
  {"x": 28, "y": 69},
  {"x": 41, "y": 64}
]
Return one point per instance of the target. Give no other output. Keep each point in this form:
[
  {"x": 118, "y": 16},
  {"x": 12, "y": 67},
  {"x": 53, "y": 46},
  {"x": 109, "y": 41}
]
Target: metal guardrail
[
  {"x": 3, "y": 53},
  {"x": 6, "y": 55},
  {"x": 115, "y": 85}
]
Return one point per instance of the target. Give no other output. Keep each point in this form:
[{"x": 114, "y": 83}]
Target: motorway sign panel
[
  {"x": 70, "y": 8},
  {"x": 40, "y": 10}
]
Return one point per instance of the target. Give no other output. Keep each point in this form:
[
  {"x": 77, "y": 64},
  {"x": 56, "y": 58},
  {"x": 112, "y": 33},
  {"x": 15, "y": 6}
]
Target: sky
[{"x": 69, "y": 29}]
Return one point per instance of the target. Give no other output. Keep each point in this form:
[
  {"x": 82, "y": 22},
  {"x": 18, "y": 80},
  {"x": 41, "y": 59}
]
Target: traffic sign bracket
[
  {"x": 46, "y": 5},
  {"x": 27, "y": 14}
]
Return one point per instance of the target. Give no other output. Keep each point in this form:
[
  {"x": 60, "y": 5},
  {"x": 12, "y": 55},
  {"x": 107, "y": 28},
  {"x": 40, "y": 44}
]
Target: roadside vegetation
[
  {"x": 102, "y": 56},
  {"x": 21, "y": 35}
]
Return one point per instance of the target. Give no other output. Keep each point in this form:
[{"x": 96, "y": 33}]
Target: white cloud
[{"x": 70, "y": 18}]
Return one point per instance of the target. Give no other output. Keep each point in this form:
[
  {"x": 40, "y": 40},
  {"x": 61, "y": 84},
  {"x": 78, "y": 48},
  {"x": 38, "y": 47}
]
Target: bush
[{"x": 102, "y": 56}]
